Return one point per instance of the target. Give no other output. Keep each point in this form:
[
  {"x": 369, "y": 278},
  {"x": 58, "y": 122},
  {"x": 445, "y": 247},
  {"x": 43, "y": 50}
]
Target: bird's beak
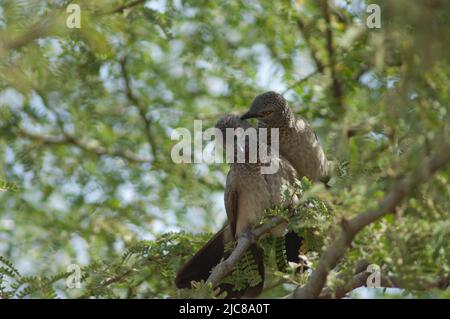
[{"x": 248, "y": 115}]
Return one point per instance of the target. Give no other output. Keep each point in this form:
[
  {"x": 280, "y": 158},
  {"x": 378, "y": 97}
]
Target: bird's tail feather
[
  {"x": 199, "y": 266},
  {"x": 293, "y": 242},
  {"x": 287, "y": 249}
]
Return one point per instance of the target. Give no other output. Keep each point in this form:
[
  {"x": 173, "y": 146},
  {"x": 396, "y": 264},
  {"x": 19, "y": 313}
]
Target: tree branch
[
  {"x": 336, "y": 83},
  {"x": 243, "y": 243},
  {"x": 350, "y": 228},
  {"x": 303, "y": 79},
  {"x": 36, "y": 31},
  {"x": 307, "y": 38},
  {"x": 360, "y": 280},
  {"x": 129, "y": 5},
  {"x": 140, "y": 107},
  {"x": 112, "y": 280},
  {"x": 85, "y": 146}
]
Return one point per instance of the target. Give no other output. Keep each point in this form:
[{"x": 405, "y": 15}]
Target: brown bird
[
  {"x": 297, "y": 141},
  {"x": 248, "y": 193}
]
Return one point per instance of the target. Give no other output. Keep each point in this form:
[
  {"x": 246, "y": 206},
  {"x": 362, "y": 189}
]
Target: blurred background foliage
[{"x": 86, "y": 117}]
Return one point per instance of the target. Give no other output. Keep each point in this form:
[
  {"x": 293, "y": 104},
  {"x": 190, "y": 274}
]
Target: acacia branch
[
  {"x": 129, "y": 5},
  {"x": 303, "y": 79},
  {"x": 35, "y": 31},
  {"x": 88, "y": 147},
  {"x": 110, "y": 281},
  {"x": 320, "y": 65},
  {"x": 140, "y": 107},
  {"x": 307, "y": 38},
  {"x": 360, "y": 280},
  {"x": 243, "y": 243},
  {"x": 350, "y": 228},
  {"x": 71, "y": 139},
  {"x": 336, "y": 83}
]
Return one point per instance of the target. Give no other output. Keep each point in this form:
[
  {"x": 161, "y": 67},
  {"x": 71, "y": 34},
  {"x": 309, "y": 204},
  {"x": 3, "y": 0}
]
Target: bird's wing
[
  {"x": 287, "y": 170},
  {"x": 231, "y": 201}
]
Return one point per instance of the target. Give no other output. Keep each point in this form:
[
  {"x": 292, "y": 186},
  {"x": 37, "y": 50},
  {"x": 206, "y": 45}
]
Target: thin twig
[
  {"x": 140, "y": 107},
  {"x": 303, "y": 79},
  {"x": 336, "y": 83},
  {"x": 129, "y": 5},
  {"x": 360, "y": 280},
  {"x": 307, "y": 38},
  {"x": 88, "y": 147}
]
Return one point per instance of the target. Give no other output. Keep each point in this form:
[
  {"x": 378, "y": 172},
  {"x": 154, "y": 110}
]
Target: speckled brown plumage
[
  {"x": 297, "y": 141},
  {"x": 248, "y": 193}
]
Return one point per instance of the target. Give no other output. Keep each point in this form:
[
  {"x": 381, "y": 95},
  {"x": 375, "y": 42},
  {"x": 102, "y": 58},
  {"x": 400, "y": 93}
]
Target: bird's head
[
  {"x": 239, "y": 141},
  {"x": 270, "y": 107},
  {"x": 231, "y": 121}
]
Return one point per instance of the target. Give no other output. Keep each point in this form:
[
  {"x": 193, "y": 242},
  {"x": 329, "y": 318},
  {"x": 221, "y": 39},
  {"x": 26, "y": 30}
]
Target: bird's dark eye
[{"x": 267, "y": 113}]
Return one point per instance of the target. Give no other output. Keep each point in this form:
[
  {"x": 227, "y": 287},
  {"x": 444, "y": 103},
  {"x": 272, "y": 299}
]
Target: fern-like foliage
[{"x": 14, "y": 285}]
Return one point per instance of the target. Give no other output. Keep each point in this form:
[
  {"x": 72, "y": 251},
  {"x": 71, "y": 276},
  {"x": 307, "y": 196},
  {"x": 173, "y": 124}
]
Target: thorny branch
[{"x": 350, "y": 228}]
